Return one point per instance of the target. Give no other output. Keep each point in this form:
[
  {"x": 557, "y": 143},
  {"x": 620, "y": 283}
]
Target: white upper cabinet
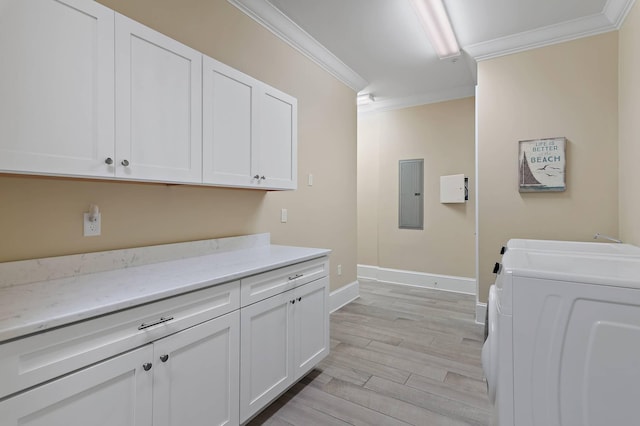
[
  {"x": 249, "y": 131},
  {"x": 229, "y": 131},
  {"x": 158, "y": 106},
  {"x": 88, "y": 92},
  {"x": 278, "y": 129},
  {"x": 56, "y": 90}
]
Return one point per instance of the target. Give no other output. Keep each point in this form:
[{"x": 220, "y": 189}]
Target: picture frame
[{"x": 542, "y": 165}]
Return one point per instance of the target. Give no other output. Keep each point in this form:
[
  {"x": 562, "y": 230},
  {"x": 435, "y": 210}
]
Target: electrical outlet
[
  {"x": 339, "y": 269},
  {"x": 284, "y": 216},
  {"x": 91, "y": 229}
]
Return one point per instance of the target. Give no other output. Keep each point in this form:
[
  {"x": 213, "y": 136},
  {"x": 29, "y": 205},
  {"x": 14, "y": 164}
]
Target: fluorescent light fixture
[
  {"x": 365, "y": 99},
  {"x": 438, "y": 27}
]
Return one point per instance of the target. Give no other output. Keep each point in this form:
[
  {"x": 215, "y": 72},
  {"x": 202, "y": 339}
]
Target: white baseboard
[
  {"x": 481, "y": 312},
  {"x": 343, "y": 296},
  {"x": 418, "y": 279}
]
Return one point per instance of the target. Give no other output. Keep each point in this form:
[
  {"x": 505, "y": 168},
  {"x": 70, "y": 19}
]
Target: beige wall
[
  {"x": 629, "y": 127},
  {"x": 443, "y": 135},
  {"x": 571, "y": 90},
  {"x": 42, "y": 217}
]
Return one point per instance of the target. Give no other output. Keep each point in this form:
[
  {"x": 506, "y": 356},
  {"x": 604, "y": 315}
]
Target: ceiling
[{"x": 379, "y": 46}]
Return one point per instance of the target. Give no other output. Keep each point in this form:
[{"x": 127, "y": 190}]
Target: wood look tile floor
[{"x": 399, "y": 356}]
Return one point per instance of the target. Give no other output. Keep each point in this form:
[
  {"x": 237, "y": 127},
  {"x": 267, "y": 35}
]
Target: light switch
[
  {"x": 310, "y": 180},
  {"x": 283, "y": 216}
]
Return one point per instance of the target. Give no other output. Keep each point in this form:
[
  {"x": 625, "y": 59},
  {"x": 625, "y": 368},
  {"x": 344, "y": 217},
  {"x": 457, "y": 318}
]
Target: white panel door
[
  {"x": 266, "y": 367},
  {"x": 229, "y": 125},
  {"x": 196, "y": 375},
  {"x": 113, "y": 392},
  {"x": 278, "y": 149},
  {"x": 158, "y": 106},
  {"x": 311, "y": 323},
  {"x": 57, "y": 87}
]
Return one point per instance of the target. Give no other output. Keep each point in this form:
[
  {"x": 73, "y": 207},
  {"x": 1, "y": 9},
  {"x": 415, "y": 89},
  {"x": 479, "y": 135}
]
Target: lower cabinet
[
  {"x": 311, "y": 326},
  {"x": 114, "y": 392},
  {"x": 208, "y": 360},
  {"x": 282, "y": 338},
  {"x": 195, "y": 375},
  {"x": 189, "y": 378}
]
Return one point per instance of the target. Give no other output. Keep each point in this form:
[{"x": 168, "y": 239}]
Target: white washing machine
[{"x": 564, "y": 340}]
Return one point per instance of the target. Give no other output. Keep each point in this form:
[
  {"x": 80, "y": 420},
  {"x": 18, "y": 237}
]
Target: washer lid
[
  {"x": 575, "y": 247},
  {"x": 616, "y": 271}
]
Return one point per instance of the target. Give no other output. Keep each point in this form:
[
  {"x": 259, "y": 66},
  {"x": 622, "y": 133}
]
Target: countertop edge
[{"x": 19, "y": 326}]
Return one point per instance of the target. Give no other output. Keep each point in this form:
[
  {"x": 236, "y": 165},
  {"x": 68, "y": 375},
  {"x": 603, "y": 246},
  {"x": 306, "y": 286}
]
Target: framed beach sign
[{"x": 542, "y": 165}]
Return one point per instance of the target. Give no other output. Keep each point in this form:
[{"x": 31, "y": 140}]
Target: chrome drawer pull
[
  {"x": 296, "y": 276},
  {"x": 151, "y": 324}
]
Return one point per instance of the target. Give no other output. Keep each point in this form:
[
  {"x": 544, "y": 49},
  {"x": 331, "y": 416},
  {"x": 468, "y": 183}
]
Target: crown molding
[
  {"x": 611, "y": 19},
  {"x": 391, "y": 104},
  {"x": 617, "y": 10},
  {"x": 270, "y": 17}
]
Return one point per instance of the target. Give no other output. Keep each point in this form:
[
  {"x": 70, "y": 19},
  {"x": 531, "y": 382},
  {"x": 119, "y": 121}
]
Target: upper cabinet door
[
  {"x": 249, "y": 131},
  {"x": 229, "y": 132},
  {"x": 56, "y": 90},
  {"x": 278, "y": 150},
  {"x": 158, "y": 106}
]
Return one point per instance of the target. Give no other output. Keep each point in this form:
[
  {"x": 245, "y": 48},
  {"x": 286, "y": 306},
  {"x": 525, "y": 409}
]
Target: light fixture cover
[{"x": 435, "y": 21}]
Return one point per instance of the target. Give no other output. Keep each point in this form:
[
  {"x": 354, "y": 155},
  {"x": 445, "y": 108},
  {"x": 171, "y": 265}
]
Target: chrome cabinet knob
[
  {"x": 147, "y": 366},
  {"x": 164, "y": 357},
  {"x": 262, "y": 177},
  {"x": 256, "y": 177},
  {"x": 109, "y": 160},
  {"x": 125, "y": 163}
]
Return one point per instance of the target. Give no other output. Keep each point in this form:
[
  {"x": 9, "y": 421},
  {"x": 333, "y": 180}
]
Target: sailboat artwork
[{"x": 542, "y": 165}]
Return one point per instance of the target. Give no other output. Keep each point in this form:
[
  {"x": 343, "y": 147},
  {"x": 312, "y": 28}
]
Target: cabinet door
[
  {"x": 113, "y": 392},
  {"x": 196, "y": 375},
  {"x": 311, "y": 323},
  {"x": 278, "y": 150},
  {"x": 158, "y": 104},
  {"x": 57, "y": 89},
  {"x": 265, "y": 363},
  {"x": 229, "y": 125}
]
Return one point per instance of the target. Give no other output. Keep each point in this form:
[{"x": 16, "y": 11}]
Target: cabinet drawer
[
  {"x": 34, "y": 359},
  {"x": 261, "y": 286}
]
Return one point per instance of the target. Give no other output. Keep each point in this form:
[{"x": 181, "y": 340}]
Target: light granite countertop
[{"x": 73, "y": 294}]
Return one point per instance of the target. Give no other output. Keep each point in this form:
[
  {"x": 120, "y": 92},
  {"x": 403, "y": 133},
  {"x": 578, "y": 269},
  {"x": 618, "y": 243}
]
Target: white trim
[
  {"x": 417, "y": 100},
  {"x": 481, "y": 312},
  {"x": 266, "y": 14},
  {"x": 270, "y": 17},
  {"x": 617, "y": 10},
  {"x": 477, "y": 199},
  {"x": 418, "y": 279},
  {"x": 540, "y": 37},
  {"x": 611, "y": 19},
  {"x": 343, "y": 296}
]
